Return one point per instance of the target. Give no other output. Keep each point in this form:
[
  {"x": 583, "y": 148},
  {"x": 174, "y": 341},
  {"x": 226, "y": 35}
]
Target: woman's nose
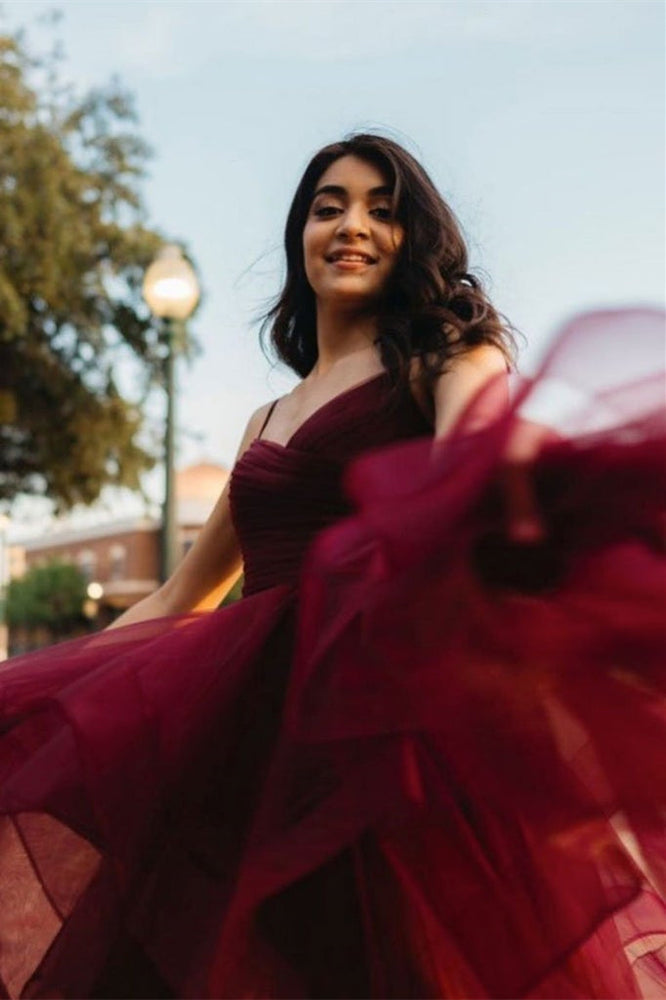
[{"x": 353, "y": 222}]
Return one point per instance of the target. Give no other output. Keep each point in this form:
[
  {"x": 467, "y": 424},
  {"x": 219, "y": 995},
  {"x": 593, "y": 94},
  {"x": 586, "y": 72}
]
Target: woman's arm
[
  {"x": 454, "y": 390},
  {"x": 210, "y": 568},
  {"x": 465, "y": 375}
]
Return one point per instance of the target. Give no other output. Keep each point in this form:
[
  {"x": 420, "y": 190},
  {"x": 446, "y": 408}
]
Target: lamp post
[{"x": 171, "y": 289}]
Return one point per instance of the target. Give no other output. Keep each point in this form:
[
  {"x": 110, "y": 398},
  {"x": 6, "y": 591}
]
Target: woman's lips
[{"x": 350, "y": 265}]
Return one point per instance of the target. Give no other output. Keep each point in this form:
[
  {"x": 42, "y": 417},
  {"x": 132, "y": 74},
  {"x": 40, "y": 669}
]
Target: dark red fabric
[{"x": 415, "y": 760}]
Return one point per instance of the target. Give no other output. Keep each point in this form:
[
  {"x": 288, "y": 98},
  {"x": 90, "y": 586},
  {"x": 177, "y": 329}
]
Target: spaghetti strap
[{"x": 267, "y": 418}]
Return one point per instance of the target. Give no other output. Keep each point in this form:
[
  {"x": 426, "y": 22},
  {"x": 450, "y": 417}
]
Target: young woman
[
  {"x": 387, "y": 770},
  {"x": 377, "y": 281}
]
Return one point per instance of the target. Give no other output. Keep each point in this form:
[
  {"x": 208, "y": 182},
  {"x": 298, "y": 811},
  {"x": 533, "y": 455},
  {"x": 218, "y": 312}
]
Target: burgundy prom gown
[{"x": 414, "y": 760}]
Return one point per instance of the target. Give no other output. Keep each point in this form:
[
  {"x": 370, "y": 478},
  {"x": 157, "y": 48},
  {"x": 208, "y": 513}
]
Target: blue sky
[{"x": 541, "y": 122}]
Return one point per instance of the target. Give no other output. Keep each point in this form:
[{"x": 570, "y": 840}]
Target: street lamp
[
  {"x": 171, "y": 289},
  {"x": 94, "y": 594}
]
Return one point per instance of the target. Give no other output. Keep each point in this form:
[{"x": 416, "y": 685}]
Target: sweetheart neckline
[{"x": 320, "y": 409}]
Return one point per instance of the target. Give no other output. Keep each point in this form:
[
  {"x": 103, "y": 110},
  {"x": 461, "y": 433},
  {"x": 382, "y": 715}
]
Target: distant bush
[{"x": 50, "y": 597}]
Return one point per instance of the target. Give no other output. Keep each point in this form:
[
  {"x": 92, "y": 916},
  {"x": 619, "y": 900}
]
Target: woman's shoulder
[
  {"x": 260, "y": 415},
  {"x": 429, "y": 375},
  {"x": 255, "y": 425},
  {"x": 486, "y": 356},
  {"x": 490, "y": 358}
]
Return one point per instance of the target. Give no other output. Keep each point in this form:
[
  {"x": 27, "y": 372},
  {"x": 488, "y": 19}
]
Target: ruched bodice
[{"x": 283, "y": 495}]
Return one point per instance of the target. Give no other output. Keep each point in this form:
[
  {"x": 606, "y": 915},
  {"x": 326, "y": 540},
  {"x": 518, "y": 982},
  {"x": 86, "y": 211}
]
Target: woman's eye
[{"x": 328, "y": 211}]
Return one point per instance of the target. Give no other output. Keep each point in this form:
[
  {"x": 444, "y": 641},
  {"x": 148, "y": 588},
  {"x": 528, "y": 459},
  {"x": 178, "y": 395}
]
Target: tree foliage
[
  {"x": 50, "y": 596},
  {"x": 73, "y": 250}
]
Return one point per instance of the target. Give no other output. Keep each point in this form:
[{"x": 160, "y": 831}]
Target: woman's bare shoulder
[
  {"x": 257, "y": 418},
  {"x": 254, "y": 426},
  {"x": 488, "y": 357},
  {"x": 431, "y": 378}
]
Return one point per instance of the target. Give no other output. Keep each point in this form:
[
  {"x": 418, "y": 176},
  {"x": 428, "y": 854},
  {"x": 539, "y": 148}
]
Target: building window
[
  {"x": 117, "y": 562},
  {"x": 87, "y": 563}
]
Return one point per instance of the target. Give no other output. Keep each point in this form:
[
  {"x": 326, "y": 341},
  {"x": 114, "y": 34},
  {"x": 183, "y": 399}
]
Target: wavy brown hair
[{"x": 432, "y": 306}]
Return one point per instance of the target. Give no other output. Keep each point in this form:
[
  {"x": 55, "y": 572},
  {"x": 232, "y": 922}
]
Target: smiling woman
[{"x": 418, "y": 758}]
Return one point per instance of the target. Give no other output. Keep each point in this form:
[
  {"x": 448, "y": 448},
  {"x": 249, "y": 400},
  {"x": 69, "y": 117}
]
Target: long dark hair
[{"x": 432, "y": 306}]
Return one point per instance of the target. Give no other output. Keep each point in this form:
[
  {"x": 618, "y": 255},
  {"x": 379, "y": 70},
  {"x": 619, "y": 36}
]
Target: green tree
[
  {"x": 48, "y": 596},
  {"x": 73, "y": 250}
]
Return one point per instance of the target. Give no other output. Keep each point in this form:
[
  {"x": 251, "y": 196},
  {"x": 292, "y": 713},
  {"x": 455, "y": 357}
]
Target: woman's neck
[{"x": 340, "y": 334}]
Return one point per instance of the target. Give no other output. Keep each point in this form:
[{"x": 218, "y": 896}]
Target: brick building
[{"x": 123, "y": 556}]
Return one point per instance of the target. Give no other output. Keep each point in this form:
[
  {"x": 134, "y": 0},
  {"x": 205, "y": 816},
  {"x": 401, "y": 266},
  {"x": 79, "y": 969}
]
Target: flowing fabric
[{"x": 416, "y": 759}]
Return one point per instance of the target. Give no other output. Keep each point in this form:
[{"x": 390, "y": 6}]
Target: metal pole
[{"x": 169, "y": 539}]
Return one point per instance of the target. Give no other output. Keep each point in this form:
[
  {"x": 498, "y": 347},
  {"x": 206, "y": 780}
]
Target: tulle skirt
[{"x": 437, "y": 768}]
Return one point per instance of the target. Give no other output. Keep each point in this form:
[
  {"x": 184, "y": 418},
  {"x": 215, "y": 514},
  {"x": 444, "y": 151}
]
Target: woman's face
[{"x": 351, "y": 240}]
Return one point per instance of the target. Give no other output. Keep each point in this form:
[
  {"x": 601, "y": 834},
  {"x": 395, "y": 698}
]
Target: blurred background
[{"x": 125, "y": 126}]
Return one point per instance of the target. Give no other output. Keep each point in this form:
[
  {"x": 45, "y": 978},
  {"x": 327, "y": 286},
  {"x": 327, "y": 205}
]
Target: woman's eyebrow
[{"x": 337, "y": 189}]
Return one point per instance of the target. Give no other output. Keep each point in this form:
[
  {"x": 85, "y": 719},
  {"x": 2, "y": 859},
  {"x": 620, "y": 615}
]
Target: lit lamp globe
[
  {"x": 94, "y": 593},
  {"x": 170, "y": 286}
]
